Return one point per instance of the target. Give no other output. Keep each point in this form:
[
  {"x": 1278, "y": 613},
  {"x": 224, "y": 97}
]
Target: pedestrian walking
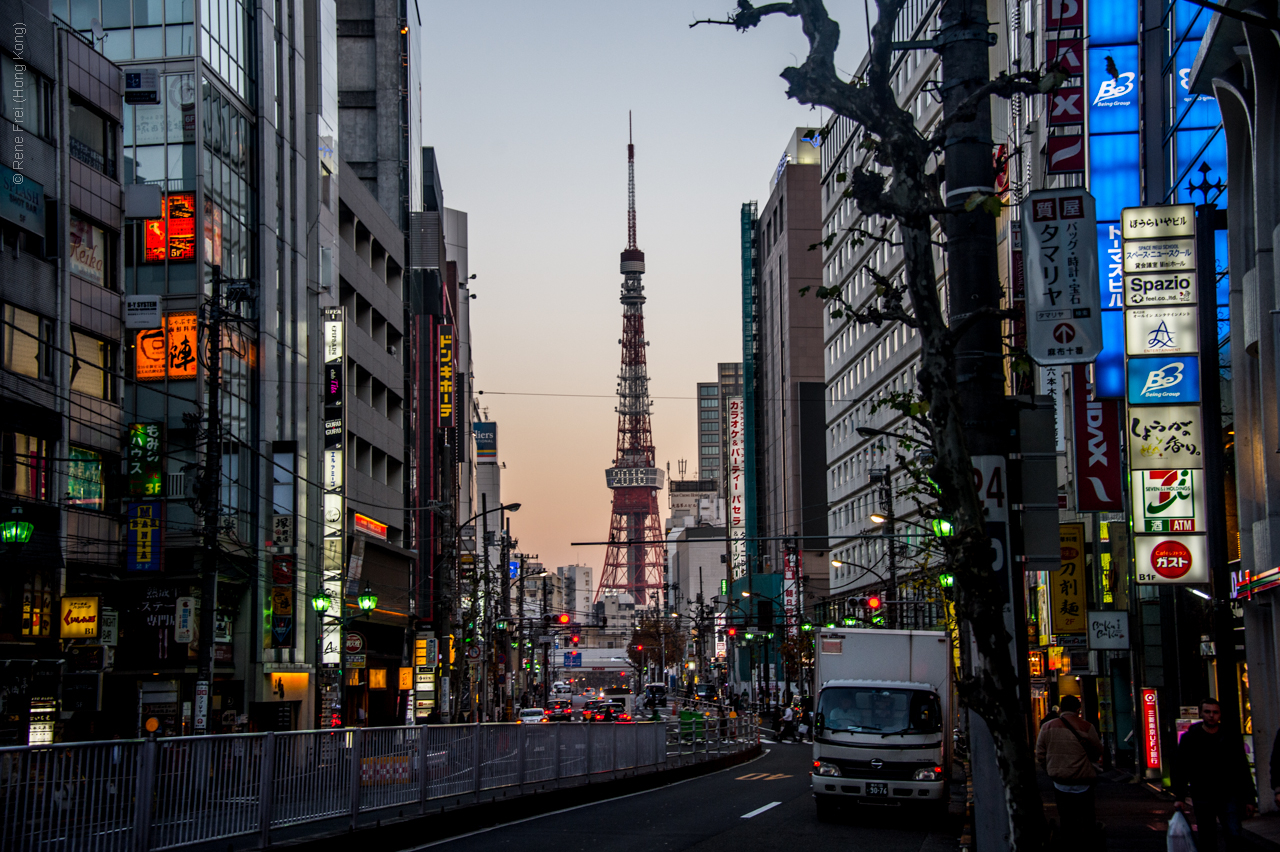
[
  {"x": 788, "y": 724},
  {"x": 1067, "y": 748},
  {"x": 1210, "y": 768}
]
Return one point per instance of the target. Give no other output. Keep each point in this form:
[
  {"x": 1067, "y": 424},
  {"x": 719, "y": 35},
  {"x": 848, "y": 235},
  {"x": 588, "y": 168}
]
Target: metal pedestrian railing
[{"x": 141, "y": 795}]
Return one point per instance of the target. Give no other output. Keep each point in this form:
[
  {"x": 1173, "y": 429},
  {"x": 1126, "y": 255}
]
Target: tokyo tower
[{"x": 637, "y": 550}]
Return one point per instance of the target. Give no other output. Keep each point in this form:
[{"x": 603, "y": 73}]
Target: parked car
[
  {"x": 610, "y": 711},
  {"x": 530, "y": 715}
]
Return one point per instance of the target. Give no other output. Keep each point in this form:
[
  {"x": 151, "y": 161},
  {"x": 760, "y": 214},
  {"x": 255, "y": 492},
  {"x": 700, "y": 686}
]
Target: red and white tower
[{"x": 637, "y": 551}]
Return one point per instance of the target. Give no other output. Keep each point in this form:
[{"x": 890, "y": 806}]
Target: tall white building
[{"x": 864, "y": 364}]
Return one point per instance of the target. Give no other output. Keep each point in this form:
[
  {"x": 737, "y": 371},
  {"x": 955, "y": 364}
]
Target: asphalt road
[{"x": 761, "y": 806}]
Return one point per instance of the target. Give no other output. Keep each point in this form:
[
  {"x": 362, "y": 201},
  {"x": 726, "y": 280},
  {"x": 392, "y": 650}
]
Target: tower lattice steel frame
[{"x": 636, "y": 555}]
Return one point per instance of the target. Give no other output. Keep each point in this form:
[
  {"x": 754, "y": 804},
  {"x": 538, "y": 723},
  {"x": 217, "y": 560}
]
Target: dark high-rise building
[{"x": 787, "y": 366}]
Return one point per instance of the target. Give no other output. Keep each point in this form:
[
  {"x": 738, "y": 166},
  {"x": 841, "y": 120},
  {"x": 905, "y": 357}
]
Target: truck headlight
[
  {"x": 928, "y": 774},
  {"x": 827, "y": 769}
]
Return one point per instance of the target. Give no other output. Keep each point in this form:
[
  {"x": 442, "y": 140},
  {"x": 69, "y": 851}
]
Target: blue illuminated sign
[
  {"x": 1113, "y": 89},
  {"x": 1154, "y": 381},
  {"x": 1113, "y": 23},
  {"x": 1114, "y": 180},
  {"x": 1108, "y": 368},
  {"x": 1192, "y": 110},
  {"x": 1110, "y": 266}
]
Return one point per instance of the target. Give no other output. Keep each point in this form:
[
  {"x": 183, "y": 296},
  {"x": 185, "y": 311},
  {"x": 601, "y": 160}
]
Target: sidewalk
[{"x": 1135, "y": 816}]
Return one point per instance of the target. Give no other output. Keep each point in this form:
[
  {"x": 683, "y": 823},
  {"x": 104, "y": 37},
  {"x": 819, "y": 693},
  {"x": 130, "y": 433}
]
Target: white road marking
[
  {"x": 764, "y": 753},
  {"x": 759, "y": 811}
]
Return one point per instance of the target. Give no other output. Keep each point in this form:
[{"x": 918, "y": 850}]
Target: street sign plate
[{"x": 1060, "y": 264}]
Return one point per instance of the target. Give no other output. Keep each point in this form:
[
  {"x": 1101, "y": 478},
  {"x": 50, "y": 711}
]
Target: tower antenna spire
[{"x": 631, "y": 187}]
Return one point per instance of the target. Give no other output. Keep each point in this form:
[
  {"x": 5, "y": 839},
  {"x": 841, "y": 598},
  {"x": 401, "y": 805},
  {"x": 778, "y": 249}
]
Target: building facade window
[
  {"x": 84, "y": 480},
  {"x": 710, "y": 451},
  {"x": 92, "y": 137},
  {"x": 89, "y": 253},
  {"x": 34, "y": 114},
  {"x": 93, "y": 367},
  {"x": 711, "y": 391},
  {"x": 26, "y": 343},
  {"x": 24, "y": 465},
  {"x": 710, "y": 403}
]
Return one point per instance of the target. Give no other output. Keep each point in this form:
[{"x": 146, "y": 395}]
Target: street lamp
[
  {"x": 367, "y": 600},
  {"x": 321, "y": 602},
  {"x": 15, "y": 531}
]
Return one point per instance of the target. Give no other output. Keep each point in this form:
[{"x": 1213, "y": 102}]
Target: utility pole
[
  {"x": 973, "y": 284},
  {"x": 1208, "y": 219},
  {"x": 211, "y": 503}
]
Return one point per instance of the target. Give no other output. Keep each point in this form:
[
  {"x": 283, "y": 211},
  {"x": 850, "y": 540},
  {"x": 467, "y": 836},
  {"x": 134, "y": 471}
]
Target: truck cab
[{"x": 877, "y": 740}]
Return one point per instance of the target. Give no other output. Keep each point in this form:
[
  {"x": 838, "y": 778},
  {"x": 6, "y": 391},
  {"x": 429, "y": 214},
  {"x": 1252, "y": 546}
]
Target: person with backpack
[{"x": 1067, "y": 748}]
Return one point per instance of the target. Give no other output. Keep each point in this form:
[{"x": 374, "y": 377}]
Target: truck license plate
[{"x": 876, "y": 789}]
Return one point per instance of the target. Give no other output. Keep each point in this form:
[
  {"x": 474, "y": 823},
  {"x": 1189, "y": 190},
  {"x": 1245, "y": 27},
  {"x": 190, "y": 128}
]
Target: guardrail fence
[{"x": 141, "y": 795}]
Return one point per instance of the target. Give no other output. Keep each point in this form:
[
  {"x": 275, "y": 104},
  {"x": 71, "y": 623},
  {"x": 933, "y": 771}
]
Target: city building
[
  {"x": 63, "y": 429},
  {"x": 370, "y": 280},
  {"x": 693, "y": 503},
  {"x": 864, "y": 365},
  {"x": 788, "y": 481},
  {"x": 577, "y": 591},
  {"x": 713, "y": 438}
]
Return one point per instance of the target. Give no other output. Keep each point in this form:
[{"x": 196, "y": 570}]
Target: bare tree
[{"x": 902, "y": 182}]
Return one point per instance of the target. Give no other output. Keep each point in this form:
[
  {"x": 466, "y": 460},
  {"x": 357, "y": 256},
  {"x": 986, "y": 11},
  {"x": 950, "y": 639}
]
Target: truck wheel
[{"x": 827, "y": 807}]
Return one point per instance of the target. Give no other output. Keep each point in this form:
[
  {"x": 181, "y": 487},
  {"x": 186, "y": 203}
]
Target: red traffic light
[
  {"x": 732, "y": 631},
  {"x": 639, "y": 647},
  {"x": 574, "y": 638},
  {"x": 563, "y": 618},
  {"x": 873, "y": 602}
]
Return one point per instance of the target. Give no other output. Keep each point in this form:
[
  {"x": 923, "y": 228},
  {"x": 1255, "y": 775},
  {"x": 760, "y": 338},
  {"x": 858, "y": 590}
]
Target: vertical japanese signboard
[
  {"x": 737, "y": 486},
  {"x": 145, "y": 475},
  {"x": 334, "y": 506},
  {"x": 1067, "y": 585},
  {"x": 1060, "y": 258},
  {"x": 791, "y": 606},
  {"x": 145, "y": 552},
  {"x": 1162, "y": 349},
  {"x": 446, "y": 375},
  {"x": 1150, "y": 729}
]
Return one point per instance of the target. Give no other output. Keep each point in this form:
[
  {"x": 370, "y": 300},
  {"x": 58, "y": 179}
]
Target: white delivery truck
[{"x": 882, "y": 719}]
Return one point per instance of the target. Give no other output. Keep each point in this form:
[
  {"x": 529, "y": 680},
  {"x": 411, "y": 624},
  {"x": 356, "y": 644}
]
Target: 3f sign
[{"x": 1064, "y": 13}]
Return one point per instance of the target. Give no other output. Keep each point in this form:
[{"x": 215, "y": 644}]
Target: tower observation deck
[{"x": 636, "y": 554}]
